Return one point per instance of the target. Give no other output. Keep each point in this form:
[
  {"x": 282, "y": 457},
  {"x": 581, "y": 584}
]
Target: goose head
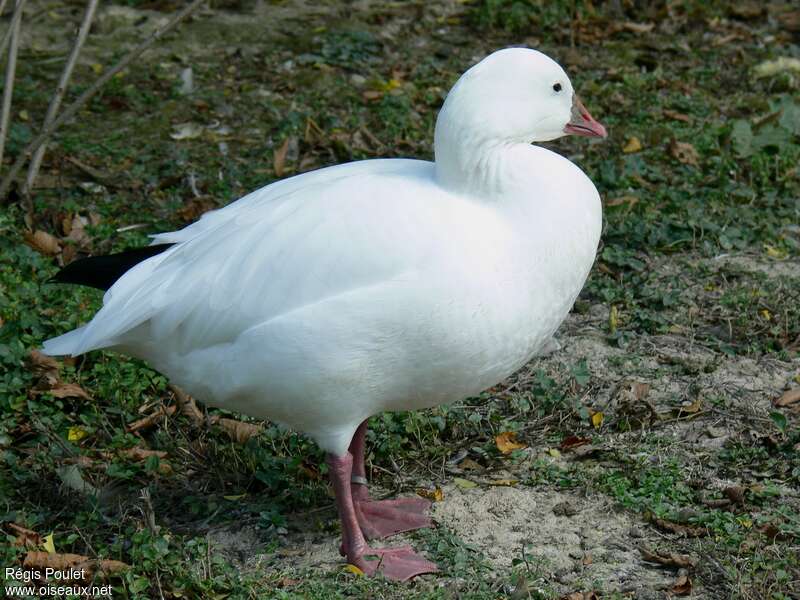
[{"x": 516, "y": 95}]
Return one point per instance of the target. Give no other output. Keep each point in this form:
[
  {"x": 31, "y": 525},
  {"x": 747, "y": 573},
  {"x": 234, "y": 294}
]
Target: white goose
[{"x": 380, "y": 285}]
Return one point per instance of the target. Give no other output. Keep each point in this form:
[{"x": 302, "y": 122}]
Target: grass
[{"x": 696, "y": 291}]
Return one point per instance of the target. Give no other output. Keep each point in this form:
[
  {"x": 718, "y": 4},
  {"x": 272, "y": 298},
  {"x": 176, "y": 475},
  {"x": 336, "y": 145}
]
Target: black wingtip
[{"x": 102, "y": 272}]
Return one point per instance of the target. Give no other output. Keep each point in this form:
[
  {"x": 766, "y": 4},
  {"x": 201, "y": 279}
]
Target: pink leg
[
  {"x": 382, "y": 518},
  {"x": 399, "y": 564}
]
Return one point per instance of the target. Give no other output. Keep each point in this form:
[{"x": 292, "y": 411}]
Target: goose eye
[{"x": 557, "y": 87}]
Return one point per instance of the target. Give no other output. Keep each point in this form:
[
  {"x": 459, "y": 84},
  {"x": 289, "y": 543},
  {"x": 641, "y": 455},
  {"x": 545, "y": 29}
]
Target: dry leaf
[
  {"x": 507, "y": 442},
  {"x": 788, "y": 398},
  {"x": 434, "y": 495},
  {"x": 195, "y": 208},
  {"x": 677, "y": 116},
  {"x": 187, "y": 405},
  {"x": 69, "y": 390},
  {"x": 372, "y": 95},
  {"x": 630, "y": 201},
  {"x": 464, "y": 484},
  {"x": 239, "y": 431},
  {"x": 279, "y": 158},
  {"x": 637, "y": 27},
  {"x": 151, "y": 419},
  {"x": 682, "y": 586},
  {"x": 571, "y": 442},
  {"x": 24, "y": 536},
  {"x": 681, "y": 561},
  {"x": 684, "y": 530},
  {"x": 45, "y": 366},
  {"x": 186, "y": 131},
  {"x": 43, "y": 242},
  {"x": 735, "y": 494},
  {"x": 138, "y": 453},
  {"x": 632, "y": 145},
  {"x": 64, "y": 562},
  {"x": 685, "y": 153},
  {"x": 504, "y": 482},
  {"x": 690, "y": 408}
]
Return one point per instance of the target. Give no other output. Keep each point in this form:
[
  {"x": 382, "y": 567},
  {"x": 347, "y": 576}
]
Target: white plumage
[{"x": 398, "y": 284}]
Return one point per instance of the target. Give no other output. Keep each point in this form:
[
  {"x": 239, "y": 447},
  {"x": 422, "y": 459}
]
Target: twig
[
  {"x": 55, "y": 101},
  {"x": 11, "y": 69},
  {"x": 73, "y": 108},
  {"x": 7, "y": 36}
]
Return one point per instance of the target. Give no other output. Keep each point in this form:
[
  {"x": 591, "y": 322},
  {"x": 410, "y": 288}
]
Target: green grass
[{"x": 666, "y": 225}]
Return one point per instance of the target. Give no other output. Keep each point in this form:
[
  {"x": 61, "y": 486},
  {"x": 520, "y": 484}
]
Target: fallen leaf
[
  {"x": 684, "y": 530},
  {"x": 187, "y": 405},
  {"x": 788, "y": 398},
  {"x": 681, "y": 561},
  {"x": 685, "y": 153},
  {"x": 613, "y": 319},
  {"x": 71, "y": 477},
  {"x": 354, "y": 570},
  {"x": 69, "y": 390},
  {"x": 779, "y": 65},
  {"x": 372, "y": 95},
  {"x": 554, "y": 452},
  {"x": 682, "y": 586},
  {"x": 504, "y": 482},
  {"x": 152, "y": 419},
  {"x": 48, "y": 544},
  {"x": 507, "y": 442},
  {"x": 637, "y": 27},
  {"x": 632, "y": 145},
  {"x": 279, "y": 158},
  {"x": 195, "y": 208},
  {"x": 138, "y": 453},
  {"x": 45, "y": 366},
  {"x": 434, "y": 495},
  {"x": 676, "y": 116},
  {"x": 630, "y": 201},
  {"x": 64, "y": 562},
  {"x": 464, "y": 484},
  {"x": 690, "y": 408},
  {"x": 43, "y": 242},
  {"x": 186, "y": 131},
  {"x": 239, "y": 431},
  {"x": 571, "y": 442},
  {"x": 597, "y": 419},
  {"x": 735, "y": 494},
  {"x": 76, "y": 434},
  {"x": 581, "y": 596},
  {"x": 25, "y": 537}
]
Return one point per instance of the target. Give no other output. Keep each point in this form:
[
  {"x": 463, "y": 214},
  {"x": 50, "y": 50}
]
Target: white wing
[{"x": 285, "y": 246}]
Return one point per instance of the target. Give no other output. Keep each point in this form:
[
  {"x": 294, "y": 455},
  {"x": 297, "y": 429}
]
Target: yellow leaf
[
  {"x": 773, "y": 252},
  {"x": 504, "y": 482},
  {"x": 597, "y": 419},
  {"x": 24, "y": 116},
  {"x": 354, "y": 570},
  {"x": 632, "y": 145},
  {"x": 76, "y": 434},
  {"x": 464, "y": 484},
  {"x": 554, "y": 452},
  {"x": 507, "y": 442},
  {"x": 613, "y": 319},
  {"x": 48, "y": 544},
  {"x": 97, "y": 68},
  {"x": 435, "y": 495},
  {"x": 232, "y": 498},
  {"x": 766, "y": 314}
]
